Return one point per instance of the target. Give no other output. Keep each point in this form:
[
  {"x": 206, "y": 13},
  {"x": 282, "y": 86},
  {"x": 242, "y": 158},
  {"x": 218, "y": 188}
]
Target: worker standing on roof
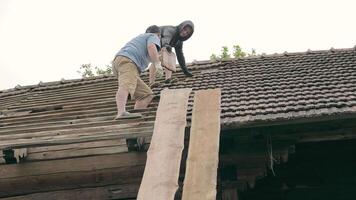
[
  {"x": 172, "y": 36},
  {"x": 128, "y": 63}
]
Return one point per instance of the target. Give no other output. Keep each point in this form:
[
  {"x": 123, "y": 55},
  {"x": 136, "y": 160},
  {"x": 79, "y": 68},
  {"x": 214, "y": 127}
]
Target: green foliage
[
  {"x": 225, "y": 53},
  {"x": 86, "y": 70},
  {"x": 214, "y": 57},
  {"x": 237, "y": 53},
  {"x": 106, "y": 71}
]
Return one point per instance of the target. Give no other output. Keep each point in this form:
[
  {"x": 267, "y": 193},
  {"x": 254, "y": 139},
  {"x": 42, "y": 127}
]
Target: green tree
[
  {"x": 106, "y": 71},
  {"x": 238, "y": 53},
  {"x": 214, "y": 57},
  {"x": 225, "y": 53},
  {"x": 86, "y": 70}
]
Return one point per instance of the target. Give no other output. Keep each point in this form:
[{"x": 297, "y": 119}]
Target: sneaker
[
  {"x": 171, "y": 80},
  {"x": 155, "y": 84},
  {"x": 127, "y": 115}
]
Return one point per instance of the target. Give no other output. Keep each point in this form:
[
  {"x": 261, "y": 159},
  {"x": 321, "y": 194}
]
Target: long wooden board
[
  {"x": 203, "y": 154},
  {"x": 93, "y": 171},
  {"x": 123, "y": 191},
  {"x": 72, "y": 153},
  {"x": 160, "y": 179},
  {"x": 74, "y": 136}
]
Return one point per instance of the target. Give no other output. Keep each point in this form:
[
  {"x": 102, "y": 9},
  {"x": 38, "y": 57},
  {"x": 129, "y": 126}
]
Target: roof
[{"x": 261, "y": 89}]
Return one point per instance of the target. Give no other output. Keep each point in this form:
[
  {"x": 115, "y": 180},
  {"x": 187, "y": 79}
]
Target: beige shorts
[{"x": 127, "y": 73}]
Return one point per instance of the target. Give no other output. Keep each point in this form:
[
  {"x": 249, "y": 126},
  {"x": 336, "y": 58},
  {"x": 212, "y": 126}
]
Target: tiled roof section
[
  {"x": 254, "y": 89},
  {"x": 282, "y": 87}
]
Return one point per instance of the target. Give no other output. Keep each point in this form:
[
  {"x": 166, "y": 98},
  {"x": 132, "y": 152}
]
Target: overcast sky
[{"x": 46, "y": 40}]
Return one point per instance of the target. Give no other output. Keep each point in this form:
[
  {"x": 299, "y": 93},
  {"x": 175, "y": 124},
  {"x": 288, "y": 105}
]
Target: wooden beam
[
  {"x": 59, "y": 131},
  {"x": 203, "y": 154},
  {"x": 160, "y": 179},
  {"x": 31, "y": 177},
  {"x": 125, "y": 191},
  {"x": 77, "y": 146},
  {"x": 70, "y": 153},
  {"x": 75, "y": 136}
]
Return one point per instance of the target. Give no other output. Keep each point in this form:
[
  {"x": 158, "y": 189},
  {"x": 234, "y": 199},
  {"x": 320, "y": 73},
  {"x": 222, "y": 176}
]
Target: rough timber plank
[
  {"x": 74, "y": 136},
  {"x": 71, "y": 153},
  {"x": 77, "y": 146},
  {"x": 94, "y": 171},
  {"x": 160, "y": 179},
  {"x": 124, "y": 191},
  {"x": 202, "y": 162}
]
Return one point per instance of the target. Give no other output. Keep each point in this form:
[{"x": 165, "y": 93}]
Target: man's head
[
  {"x": 154, "y": 29},
  {"x": 186, "y": 30}
]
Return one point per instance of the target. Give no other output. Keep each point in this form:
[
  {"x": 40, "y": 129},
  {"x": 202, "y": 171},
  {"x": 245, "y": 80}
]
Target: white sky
[{"x": 46, "y": 40}]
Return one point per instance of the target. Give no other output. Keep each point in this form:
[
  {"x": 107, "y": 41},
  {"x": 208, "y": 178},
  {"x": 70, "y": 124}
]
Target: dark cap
[{"x": 153, "y": 29}]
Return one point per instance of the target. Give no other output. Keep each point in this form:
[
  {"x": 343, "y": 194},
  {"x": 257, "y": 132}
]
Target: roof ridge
[{"x": 285, "y": 53}]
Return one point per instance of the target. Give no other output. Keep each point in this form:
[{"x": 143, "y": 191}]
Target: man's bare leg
[
  {"x": 168, "y": 73},
  {"x": 121, "y": 99},
  {"x": 152, "y": 74},
  {"x": 143, "y": 103}
]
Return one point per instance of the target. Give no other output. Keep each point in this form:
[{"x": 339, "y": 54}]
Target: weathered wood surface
[
  {"x": 60, "y": 132},
  {"x": 83, "y": 121},
  {"x": 84, "y": 145},
  {"x": 75, "y": 135},
  {"x": 203, "y": 154},
  {"x": 66, "y": 113},
  {"x": 76, "y": 150},
  {"x": 124, "y": 191},
  {"x": 94, "y": 171},
  {"x": 160, "y": 179}
]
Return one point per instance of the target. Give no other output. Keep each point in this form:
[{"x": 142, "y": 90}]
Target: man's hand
[
  {"x": 187, "y": 72},
  {"x": 169, "y": 48},
  {"x": 159, "y": 69}
]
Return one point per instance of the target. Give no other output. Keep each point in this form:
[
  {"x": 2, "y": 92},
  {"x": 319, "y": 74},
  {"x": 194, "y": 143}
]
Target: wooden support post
[
  {"x": 203, "y": 155},
  {"x": 160, "y": 179}
]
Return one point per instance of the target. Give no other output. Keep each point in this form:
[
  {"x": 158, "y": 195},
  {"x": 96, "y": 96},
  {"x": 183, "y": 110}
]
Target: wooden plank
[
  {"x": 30, "y": 177},
  {"x": 52, "y": 182},
  {"x": 84, "y": 145},
  {"x": 71, "y": 153},
  {"x": 59, "y": 132},
  {"x": 72, "y": 165},
  {"x": 203, "y": 155},
  {"x": 160, "y": 179},
  {"x": 86, "y": 122},
  {"x": 76, "y": 121},
  {"x": 74, "y": 136},
  {"x": 124, "y": 191}
]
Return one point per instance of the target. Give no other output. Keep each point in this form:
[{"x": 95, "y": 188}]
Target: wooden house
[{"x": 288, "y": 131}]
